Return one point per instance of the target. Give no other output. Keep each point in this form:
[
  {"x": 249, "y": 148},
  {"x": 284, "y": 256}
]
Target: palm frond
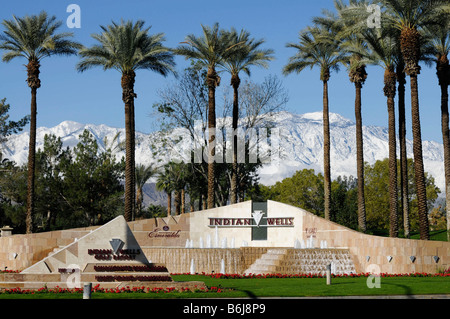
[
  {"x": 318, "y": 47},
  {"x": 128, "y": 46},
  {"x": 244, "y": 52},
  {"x": 35, "y": 37},
  {"x": 210, "y": 49}
]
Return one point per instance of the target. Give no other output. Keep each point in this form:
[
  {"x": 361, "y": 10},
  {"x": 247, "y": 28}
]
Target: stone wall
[
  {"x": 372, "y": 253},
  {"x": 18, "y": 252},
  {"x": 158, "y": 237}
]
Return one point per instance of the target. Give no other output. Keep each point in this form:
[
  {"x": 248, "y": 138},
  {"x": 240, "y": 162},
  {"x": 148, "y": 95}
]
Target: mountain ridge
[{"x": 301, "y": 144}]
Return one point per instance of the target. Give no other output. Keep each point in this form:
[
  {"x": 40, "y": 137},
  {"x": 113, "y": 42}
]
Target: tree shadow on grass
[
  {"x": 407, "y": 290},
  {"x": 250, "y": 294}
]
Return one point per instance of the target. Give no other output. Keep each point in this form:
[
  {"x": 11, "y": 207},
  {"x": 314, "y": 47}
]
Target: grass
[
  {"x": 302, "y": 287},
  {"x": 276, "y": 287},
  {"x": 438, "y": 235}
]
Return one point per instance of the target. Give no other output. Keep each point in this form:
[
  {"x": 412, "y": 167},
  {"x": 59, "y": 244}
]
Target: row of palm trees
[
  {"x": 128, "y": 47},
  {"x": 409, "y": 31},
  {"x": 335, "y": 39}
]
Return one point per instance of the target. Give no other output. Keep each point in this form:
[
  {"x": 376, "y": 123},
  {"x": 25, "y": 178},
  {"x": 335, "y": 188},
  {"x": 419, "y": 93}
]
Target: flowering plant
[
  {"x": 318, "y": 275},
  {"x": 110, "y": 278},
  {"x": 7, "y": 271},
  {"x": 130, "y": 268},
  {"x": 98, "y": 289}
]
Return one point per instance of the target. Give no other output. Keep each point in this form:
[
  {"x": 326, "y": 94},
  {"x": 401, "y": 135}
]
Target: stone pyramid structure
[
  {"x": 109, "y": 257},
  {"x": 111, "y": 243}
]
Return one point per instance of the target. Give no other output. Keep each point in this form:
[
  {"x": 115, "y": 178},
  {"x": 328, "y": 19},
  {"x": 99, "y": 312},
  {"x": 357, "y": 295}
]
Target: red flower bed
[
  {"x": 130, "y": 268},
  {"x": 111, "y": 278},
  {"x": 98, "y": 289},
  {"x": 278, "y": 275},
  {"x": 6, "y": 271}
]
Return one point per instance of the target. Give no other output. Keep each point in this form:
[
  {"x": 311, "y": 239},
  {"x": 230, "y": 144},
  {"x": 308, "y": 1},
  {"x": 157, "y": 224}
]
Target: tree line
[
  {"x": 410, "y": 31},
  {"x": 305, "y": 190},
  {"x": 183, "y": 104},
  {"x": 74, "y": 188}
]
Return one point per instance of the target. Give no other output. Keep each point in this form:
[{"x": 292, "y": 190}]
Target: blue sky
[{"x": 95, "y": 95}]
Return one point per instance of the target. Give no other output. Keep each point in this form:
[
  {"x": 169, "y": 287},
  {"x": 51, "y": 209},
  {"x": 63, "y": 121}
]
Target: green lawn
[
  {"x": 301, "y": 287},
  {"x": 438, "y": 235},
  {"x": 277, "y": 287}
]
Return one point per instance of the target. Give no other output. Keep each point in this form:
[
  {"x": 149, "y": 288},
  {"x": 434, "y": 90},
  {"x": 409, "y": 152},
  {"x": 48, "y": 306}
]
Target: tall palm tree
[
  {"x": 143, "y": 174},
  {"x": 34, "y": 38},
  {"x": 384, "y": 52},
  {"x": 404, "y": 187},
  {"x": 247, "y": 54},
  {"x": 440, "y": 35},
  {"x": 318, "y": 47},
  {"x": 165, "y": 183},
  {"x": 347, "y": 31},
  {"x": 128, "y": 47},
  {"x": 179, "y": 173},
  {"x": 209, "y": 50},
  {"x": 410, "y": 17}
]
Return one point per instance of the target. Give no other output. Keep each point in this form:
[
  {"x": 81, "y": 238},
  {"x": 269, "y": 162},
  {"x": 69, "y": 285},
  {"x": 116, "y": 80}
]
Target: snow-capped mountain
[{"x": 300, "y": 138}]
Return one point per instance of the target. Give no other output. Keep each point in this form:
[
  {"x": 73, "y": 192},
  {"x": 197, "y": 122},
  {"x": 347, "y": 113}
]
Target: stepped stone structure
[
  {"x": 243, "y": 238},
  {"x": 108, "y": 256}
]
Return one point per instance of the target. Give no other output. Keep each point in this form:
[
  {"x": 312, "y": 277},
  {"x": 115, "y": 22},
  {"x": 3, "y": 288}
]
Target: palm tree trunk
[
  {"x": 393, "y": 195},
  {"x": 133, "y": 165},
  {"x": 389, "y": 91},
  {"x": 183, "y": 201},
  {"x": 128, "y": 166},
  {"x": 418, "y": 161},
  {"x": 34, "y": 83},
  {"x": 235, "y": 82},
  {"x": 404, "y": 189},
  {"x": 360, "y": 160},
  {"x": 177, "y": 201},
  {"x": 443, "y": 73},
  {"x": 326, "y": 152},
  {"x": 169, "y": 204},
  {"x": 212, "y": 79},
  {"x": 128, "y": 97},
  {"x": 410, "y": 41},
  {"x": 139, "y": 200},
  {"x": 31, "y": 164}
]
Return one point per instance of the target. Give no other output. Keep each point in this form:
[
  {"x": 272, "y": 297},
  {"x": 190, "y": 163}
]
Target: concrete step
[{"x": 267, "y": 263}]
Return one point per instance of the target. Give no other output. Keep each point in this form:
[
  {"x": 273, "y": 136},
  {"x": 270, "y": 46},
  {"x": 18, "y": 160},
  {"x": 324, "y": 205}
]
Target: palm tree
[
  {"x": 384, "y": 52},
  {"x": 319, "y": 47},
  {"x": 165, "y": 183},
  {"x": 209, "y": 50},
  {"x": 179, "y": 172},
  {"x": 34, "y": 38},
  {"x": 247, "y": 55},
  {"x": 404, "y": 187},
  {"x": 409, "y": 17},
  {"x": 128, "y": 47},
  {"x": 440, "y": 44},
  {"x": 143, "y": 174},
  {"x": 345, "y": 26}
]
